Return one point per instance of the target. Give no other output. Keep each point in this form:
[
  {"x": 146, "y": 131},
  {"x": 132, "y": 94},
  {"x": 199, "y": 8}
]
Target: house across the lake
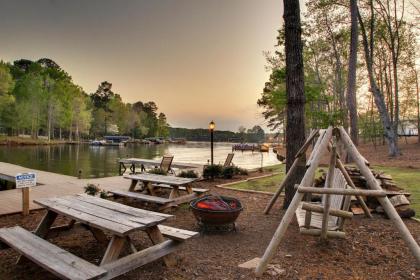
[{"x": 408, "y": 128}]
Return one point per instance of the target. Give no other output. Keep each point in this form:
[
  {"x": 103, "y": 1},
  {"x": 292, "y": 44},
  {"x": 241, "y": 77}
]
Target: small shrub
[
  {"x": 103, "y": 194},
  {"x": 212, "y": 171},
  {"x": 228, "y": 172},
  {"x": 92, "y": 189},
  {"x": 240, "y": 171},
  {"x": 188, "y": 174},
  {"x": 157, "y": 171}
]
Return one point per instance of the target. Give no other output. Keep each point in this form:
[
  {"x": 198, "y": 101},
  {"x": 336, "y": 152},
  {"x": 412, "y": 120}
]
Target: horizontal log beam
[
  {"x": 317, "y": 232},
  {"x": 333, "y": 212},
  {"x": 375, "y": 193}
]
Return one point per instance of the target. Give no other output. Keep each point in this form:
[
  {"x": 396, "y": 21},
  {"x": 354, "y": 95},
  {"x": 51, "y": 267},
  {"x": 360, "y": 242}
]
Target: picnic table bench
[
  {"x": 99, "y": 216},
  {"x": 152, "y": 181},
  {"x": 131, "y": 163}
]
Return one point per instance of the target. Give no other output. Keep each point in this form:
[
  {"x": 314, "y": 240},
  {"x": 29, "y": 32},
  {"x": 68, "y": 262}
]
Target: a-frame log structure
[{"x": 323, "y": 145}]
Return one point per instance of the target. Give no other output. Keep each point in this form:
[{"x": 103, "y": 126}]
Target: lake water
[{"x": 98, "y": 162}]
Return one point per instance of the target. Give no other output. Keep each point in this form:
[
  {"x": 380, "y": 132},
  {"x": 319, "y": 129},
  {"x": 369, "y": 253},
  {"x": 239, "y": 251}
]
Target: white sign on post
[{"x": 25, "y": 180}]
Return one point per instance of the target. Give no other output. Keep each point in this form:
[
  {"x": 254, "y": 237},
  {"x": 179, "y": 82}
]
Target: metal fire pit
[{"x": 216, "y": 220}]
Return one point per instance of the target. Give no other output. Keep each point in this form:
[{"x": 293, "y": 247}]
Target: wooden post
[
  {"x": 374, "y": 193},
  {"x": 299, "y": 158},
  {"x": 327, "y": 201},
  {"x": 346, "y": 206},
  {"x": 308, "y": 196},
  {"x": 132, "y": 185},
  {"x": 113, "y": 250},
  {"x": 287, "y": 218},
  {"x": 384, "y": 201},
  {"x": 156, "y": 237},
  {"x": 25, "y": 201},
  {"x": 346, "y": 175},
  {"x": 281, "y": 187},
  {"x": 333, "y": 212}
]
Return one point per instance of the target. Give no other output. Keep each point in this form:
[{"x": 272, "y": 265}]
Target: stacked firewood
[{"x": 398, "y": 196}]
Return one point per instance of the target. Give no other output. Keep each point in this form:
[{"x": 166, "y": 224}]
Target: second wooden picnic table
[{"x": 152, "y": 181}]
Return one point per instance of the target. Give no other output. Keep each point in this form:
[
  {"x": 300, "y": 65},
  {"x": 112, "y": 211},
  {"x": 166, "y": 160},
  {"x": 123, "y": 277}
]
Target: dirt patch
[{"x": 373, "y": 249}]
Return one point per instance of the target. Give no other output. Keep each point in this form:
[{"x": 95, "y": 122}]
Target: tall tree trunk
[
  {"x": 396, "y": 94},
  {"x": 351, "y": 78},
  {"x": 389, "y": 132},
  {"x": 295, "y": 126},
  {"x": 338, "y": 82},
  {"x": 417, "y": 104}
]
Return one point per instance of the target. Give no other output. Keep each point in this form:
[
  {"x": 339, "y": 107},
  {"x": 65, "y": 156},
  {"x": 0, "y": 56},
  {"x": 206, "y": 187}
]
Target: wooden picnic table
[
  {"x": 99, "y": 216},
  {"x": 133, "y": 162},
  {"x": 152, "y": 181}
]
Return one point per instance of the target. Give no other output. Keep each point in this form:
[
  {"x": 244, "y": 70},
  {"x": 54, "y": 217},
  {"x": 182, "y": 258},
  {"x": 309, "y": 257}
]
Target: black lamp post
[{"x": 212, "y": 126}]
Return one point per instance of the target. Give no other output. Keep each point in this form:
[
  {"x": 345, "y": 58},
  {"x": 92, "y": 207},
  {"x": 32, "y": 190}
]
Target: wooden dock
[{"x": 50, "y": 185}]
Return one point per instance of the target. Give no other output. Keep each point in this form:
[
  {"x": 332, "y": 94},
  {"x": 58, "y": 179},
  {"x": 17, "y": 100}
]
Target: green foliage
[
  {"x": 218, "y": 171},
  {"x": 6, "y": 87},
  {"x": 103, "y": 194},
  {"x": 92, "y": 189},
  {"x": 157, "y": 171},
  {"x": 240, "y": 171},
  {"x": 228, "y": 172},
  {"x": 40, "y": 98},
  {"x": 188, "y": 174},
  {"x": 212, "y": 171},
  {"x": 162, "y": 126}
]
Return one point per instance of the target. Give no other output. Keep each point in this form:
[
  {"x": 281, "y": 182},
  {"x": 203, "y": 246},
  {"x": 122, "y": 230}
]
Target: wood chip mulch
[{"x": 372, "y": 249}]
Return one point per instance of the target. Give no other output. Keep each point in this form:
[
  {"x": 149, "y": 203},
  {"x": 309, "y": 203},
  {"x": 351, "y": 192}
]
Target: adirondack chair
[
  {"x": 228, "y": 161},
  {"x": 337, "y": 202},
  {"x": 166, "y": 163}
]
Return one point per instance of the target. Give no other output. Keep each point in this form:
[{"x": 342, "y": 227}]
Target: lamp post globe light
[{"x": 212, "y": 126}]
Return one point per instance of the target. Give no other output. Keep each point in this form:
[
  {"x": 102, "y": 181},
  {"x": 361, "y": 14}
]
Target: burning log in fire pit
[{"x": 216, "y": 213}]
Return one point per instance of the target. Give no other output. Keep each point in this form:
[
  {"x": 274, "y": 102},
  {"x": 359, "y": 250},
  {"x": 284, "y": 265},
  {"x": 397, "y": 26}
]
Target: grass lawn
[
  {"x": 405, "y": 178},
  {"x": 268, "y": 184}
]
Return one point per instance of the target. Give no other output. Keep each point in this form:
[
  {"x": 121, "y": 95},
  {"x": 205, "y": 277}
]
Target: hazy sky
[{"x": 197, "y": 59}]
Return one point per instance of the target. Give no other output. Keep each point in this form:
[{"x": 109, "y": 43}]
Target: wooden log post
[
  {"x": 317, "y": 232},
  {"x": 113, "y": 250},
  {"x": 299, "y": 159},
  {"x": 156, "y": 237},
  {"x": 349, "y": 181},
  {"x": 346, "y": 206},
  {"x": 327, "y": 200},
  {"x": 287, "y": 218},
  {"x": 333, "y": 212},
  {"x": 374, "y": 193},
  {"x": 308, "y": 196},
  {"x": 282, "y": 185},
  {"x": 340, "y": 165},
  {"x": 25, "y": 201},
  {"x": 384, "y": 201}
]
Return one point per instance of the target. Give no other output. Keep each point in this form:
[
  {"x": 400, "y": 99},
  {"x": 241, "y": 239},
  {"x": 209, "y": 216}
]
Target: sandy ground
[{"x": 372, "y": 249}]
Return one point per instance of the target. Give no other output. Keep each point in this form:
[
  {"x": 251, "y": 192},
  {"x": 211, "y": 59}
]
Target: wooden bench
[
  {"x": 176, "y": 233},
  {"x": 196, "y": 190},
  {"x": 142, "y": 197},
  {"x": 52, "y": 258}
]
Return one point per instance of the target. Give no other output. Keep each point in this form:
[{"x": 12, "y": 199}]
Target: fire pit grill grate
[{"x": 216, "y": 213}]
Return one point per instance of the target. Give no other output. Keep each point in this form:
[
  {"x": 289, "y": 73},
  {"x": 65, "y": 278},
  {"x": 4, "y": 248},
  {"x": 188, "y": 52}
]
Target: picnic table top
[
  {"x": 100, "y": 213},
  {"x": 157, "y": 162},
  {"x": 161, "y": 179}
]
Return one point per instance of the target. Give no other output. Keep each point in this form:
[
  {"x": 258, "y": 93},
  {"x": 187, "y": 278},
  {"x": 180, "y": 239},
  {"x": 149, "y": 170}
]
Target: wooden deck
[{"x": 50, "y": 185}]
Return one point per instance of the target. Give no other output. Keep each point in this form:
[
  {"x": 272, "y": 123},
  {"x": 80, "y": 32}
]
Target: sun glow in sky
[{"x": 199, "y": 60}]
